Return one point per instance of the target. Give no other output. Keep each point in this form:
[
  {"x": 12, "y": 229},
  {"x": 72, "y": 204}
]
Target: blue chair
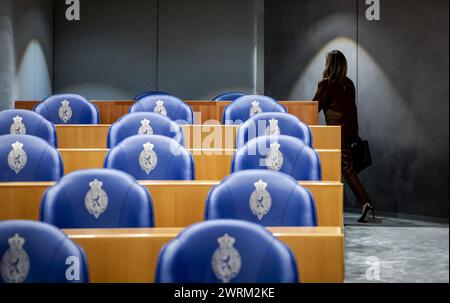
[
  {"x": 263, "y": 197},
  {"x": 150, "y": 93},
  {"x": 98, "y": 198},
  {"x": 35, "y": 252},
  {"x": 279, "y": 153},
  {"x": 152, "y": 158},
  {"x": 27, "y": 122},
  {"x": 166, "y": 105},
  {"x": 143, "y": 124},
  {"x": 231, "y": 96},
  {"x": 246, "y": 107},
  {"x": 223, "y": 251},
  {"x": 267, "y": 124},
  {"x": 68, "y": 109},
  {"x": 26, "y": 158}
]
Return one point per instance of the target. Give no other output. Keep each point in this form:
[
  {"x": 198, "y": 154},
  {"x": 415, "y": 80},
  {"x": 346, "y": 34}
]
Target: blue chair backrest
[
  {"x": 150, "y": 93},
  {"x": 152, "y": 158},
  {"x": 27, "y": 122},
  {"x": 97, "y": 198},
  {"x": 263, "y": 197},
  {"x": 231, "y": 96},
  {"x": 68, "y": 109},
  {"x": 279, "y": 153},
  {"x": 246, "y": 107},
  {"x": 143, "y": 123},
  {"x": 166, "y": 105},
  {"x": 35, "y": 252},
  {"x": 26, "y": 158},
  {"x": 268, "y": 124},
  {"x": 224, "y": 251}
]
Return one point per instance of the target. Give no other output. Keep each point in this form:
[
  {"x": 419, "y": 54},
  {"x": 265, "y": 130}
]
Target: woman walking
[{"x": 336, "y": 96}]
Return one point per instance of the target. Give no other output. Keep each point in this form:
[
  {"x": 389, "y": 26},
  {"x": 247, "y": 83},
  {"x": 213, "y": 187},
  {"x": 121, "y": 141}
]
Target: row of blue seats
[
  {"x": 25, "y": 158},
  {"x": 231, "y": 246},
  {"x": 75, "y": 109},
  {"x": 107, "y": 198},
  {"x": 24, "y": 122},
  {"x": 217, "y": 251}
]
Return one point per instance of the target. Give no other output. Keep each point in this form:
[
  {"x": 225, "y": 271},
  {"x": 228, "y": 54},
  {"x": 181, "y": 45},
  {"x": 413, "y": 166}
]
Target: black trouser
[{"x": 351, "y": 176}]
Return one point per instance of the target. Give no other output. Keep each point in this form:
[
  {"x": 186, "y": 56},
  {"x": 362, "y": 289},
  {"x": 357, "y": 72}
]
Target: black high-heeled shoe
[{"x": 367, "y": 208}]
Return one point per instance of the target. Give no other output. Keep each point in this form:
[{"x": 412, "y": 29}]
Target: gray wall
[
  {"x": 110, "y": 53},
  {"x": 403, "y": 97},
  {"x": 402, "y": 78},
  {"x": 194, "y": 49},
  {"x": 26, "y": 50},
  {"x": 298, "y": 35}
]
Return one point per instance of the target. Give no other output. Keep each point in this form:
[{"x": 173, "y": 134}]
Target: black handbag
[{"x": 361, "y": 155}]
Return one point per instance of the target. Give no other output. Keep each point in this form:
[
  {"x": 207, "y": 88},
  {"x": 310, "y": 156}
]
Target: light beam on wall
[
  {"x": 7, "y": 67},
  {"x": 306, "y": 84},
  {"x": 33, "y": 74}
]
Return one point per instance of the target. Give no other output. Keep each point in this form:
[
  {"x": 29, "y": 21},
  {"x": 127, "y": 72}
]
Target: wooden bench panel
[
  {"x": 131, "y": 255},
  {"x": 195, "y": 136},
  {"x": 209, "y": 164},
  {"x": 176, "y": 203},
  {"x": 203, "y": 111}
]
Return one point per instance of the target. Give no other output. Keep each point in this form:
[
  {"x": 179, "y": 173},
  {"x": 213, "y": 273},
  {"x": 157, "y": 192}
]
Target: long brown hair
[{"x": 335, "y": 68}]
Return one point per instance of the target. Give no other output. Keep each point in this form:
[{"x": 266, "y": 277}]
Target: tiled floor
[{"x": 396, "y": 250}]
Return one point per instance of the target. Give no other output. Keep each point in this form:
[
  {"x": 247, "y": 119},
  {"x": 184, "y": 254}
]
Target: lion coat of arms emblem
[
  {"x": 18, "y": 128},
  {"x": 17, "y": 157},
  {"x": 255, "y": 109},
  {"x": 145, "y": 128},
  {"x": 226, "y": 260},
  {"x": 273, "y": 129},
  {"x": 274, "y": 159},
  {"x": 96, "y": 199},
  {"x": 148, "y": 159},
  {"x": 159, "y": 108},
  {"x": 260, "y": 200},
  {"x": 65, "y": 111},
  {"x": 15, "y": 263}
]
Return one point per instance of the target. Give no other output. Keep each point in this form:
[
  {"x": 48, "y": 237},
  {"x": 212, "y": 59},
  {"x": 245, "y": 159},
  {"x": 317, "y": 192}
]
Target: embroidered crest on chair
[
  {"x": 17, "y": 157},
  {"x": 260, "y": 200},
  {"x": 15, "y": 263},
  {"x": 145, "y": 128},
  {"x": 148, "y": 159},
  {"x": 159, "y": 108},
  {"x": 96, "y": 199},
  {"x": 226, "y": 260},
  {"x": 65, "y": 111},
  {"x": 255, "y": 109},
  {"x": 274, "y": 159},
  {"x": 18, "y": 128},
  {"x": 273, "y": 129}
]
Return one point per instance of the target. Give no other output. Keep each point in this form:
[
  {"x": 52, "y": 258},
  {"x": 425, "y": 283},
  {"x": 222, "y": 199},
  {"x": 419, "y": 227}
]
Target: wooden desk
[
  {"x": 212, "y": 136},
  {"x": 112, "y": 110},
  {"x": 176, "y": 203},
  {"x": 209, "y": 164},
  {"x": 130, "y": 255}
]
